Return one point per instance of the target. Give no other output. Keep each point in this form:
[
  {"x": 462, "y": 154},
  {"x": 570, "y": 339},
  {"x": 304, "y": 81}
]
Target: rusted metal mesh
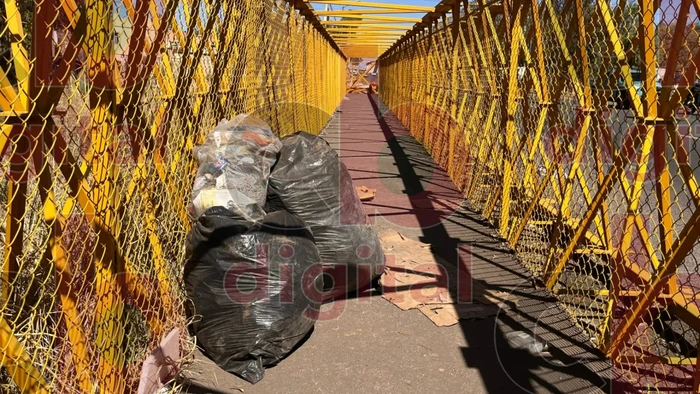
[
  {"x": 571, "y": 125},
  {"x": 101, "y": 103}
]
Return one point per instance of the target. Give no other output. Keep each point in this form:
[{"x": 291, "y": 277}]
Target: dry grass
[{"x": 34, "y": 308}]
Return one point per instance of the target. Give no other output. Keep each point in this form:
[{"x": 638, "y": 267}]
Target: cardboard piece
[
  {"x": 415, "y": 278},
  {"x": 365, "y": 193}
]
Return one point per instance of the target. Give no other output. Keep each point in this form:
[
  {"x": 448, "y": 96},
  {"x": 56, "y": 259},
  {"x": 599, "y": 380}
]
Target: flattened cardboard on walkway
[{"x": 414, "y": 278}]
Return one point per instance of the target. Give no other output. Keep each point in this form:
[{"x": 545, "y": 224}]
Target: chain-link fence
[
  {"x": 102, "y": 102},
  {"x": 571, "y": 125}
]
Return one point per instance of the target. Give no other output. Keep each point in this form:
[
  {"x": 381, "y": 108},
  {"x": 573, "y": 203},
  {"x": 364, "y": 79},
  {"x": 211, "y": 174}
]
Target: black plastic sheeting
[
  {"x": 255, "y": 288},
  {"x": 310, "y": 181}
]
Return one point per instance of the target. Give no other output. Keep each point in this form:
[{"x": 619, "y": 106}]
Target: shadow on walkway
[
  {"x": 460, "y": 237},
  {"x": 372, "y": 346}
]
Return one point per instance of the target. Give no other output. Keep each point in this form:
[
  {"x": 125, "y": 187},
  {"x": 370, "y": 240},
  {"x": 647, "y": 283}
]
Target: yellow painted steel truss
[
  {"x": 388, "y": 6},
  {"x": 370, "y": 17},
  {"x": 101, "y": 103},
  {"x": 568, "y": 125},
  {"x": 357, "y": 79}
]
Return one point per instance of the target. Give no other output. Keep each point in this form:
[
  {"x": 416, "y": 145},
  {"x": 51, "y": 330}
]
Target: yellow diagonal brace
[
  {"x": 64, "y": 278},
  {"x": 19, "y": 54},
  {"x": 18, "y": 363},
  {"x": 9, "y": 100},
  {"x": 619, "y": 53}
]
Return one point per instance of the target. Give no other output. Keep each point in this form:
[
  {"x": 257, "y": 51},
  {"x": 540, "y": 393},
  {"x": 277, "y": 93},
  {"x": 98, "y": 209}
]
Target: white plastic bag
[{"x": 234, "y": 167}]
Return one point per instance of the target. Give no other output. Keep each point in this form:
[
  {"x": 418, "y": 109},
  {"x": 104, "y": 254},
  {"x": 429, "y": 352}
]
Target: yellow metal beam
[
  {"x": 401, "y": 7},
  {"x": 388, "y": 32},
  {"x": 370, "y": 39},
  {"x": 367, "y": 23},
  {"x": 387, "y": 18},
  {"x": 18, "y": 363},
  {"x": 365, "y": 41},
  {"x": 19, "y": 55},
  {"x": 356, "y": 42},
  {"x": 364, "y": 12},
  {"x": 361, "y": 43},
  {"x": 368, "y": 28},
  {"x": 362, "y": 34},
  {"x": 373, "y": 39},
  {"x": 365, "y": 37},
  {"x": 362, "y": 51}
]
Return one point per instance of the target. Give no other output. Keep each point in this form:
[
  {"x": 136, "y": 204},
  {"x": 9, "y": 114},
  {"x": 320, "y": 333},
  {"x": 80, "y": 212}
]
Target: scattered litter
[
  {"x": 365, "y": 193},
  {"x": 409, "y": 284},
  {"x": 415, "y": 278},
  {"x": 445, "y": 315},
  {"x": 526, "y": 341}
]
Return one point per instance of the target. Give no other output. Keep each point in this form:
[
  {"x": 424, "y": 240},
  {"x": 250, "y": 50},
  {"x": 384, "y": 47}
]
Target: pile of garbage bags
[
  {"x": 278, "y": 229},
  {"x": 310, "y": 181}
]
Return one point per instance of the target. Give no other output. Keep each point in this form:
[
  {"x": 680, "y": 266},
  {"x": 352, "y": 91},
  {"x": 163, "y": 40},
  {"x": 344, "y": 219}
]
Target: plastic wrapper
[
  {"x": 310, "y": 181},
  {"x": 234, "y": 166},
  {"x": 255, "y": 288}
]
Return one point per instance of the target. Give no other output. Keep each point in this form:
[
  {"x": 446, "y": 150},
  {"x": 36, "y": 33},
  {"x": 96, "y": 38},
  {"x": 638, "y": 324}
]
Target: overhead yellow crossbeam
[
  {"x": 388, "y": 32},
  {"x": 363, "y": 34},
  {"x": 363, "y": 12},
  {"x": 372, "y": 28},
  {"x": 370, "y": 38},
  {"x": 363, "y": 38},
  {"x": 356, "y": 31},
  {"x": 358, "y": 39},
  {"x": 368, "y": 42},
  {"x": 401, "y": 7},
  {"x": 367, "y": 23},
  {"x": 367, "y": 38},
  {"x": 385, "y": 19}
]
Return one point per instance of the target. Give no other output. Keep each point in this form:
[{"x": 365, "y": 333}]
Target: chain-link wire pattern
[
  {"x": 101, "y": 104},
  {"x": 571, "y": 125}
]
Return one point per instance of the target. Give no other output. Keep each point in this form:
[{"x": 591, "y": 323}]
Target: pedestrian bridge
[{"x": 567, "y": 125}]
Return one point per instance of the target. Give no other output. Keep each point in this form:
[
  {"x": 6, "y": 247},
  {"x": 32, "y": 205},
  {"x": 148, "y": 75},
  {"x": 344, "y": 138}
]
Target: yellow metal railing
[
  {"x": 101, "y": 103},
  {"x": 571, "y": 125}
]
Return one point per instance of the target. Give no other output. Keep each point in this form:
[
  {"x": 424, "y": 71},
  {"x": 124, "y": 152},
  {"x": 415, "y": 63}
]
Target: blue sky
[{"x": 667, "y": 9}]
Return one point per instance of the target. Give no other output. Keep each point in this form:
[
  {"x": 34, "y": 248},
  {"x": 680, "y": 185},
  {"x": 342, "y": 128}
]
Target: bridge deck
[{"x": 375, "y": 347}]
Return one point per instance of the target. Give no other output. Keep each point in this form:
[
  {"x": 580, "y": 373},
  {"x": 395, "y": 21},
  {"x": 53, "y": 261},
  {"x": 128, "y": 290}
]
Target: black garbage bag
[
  {"x": 310, "y": 181},
  {"x": 255, "y": 287}
]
